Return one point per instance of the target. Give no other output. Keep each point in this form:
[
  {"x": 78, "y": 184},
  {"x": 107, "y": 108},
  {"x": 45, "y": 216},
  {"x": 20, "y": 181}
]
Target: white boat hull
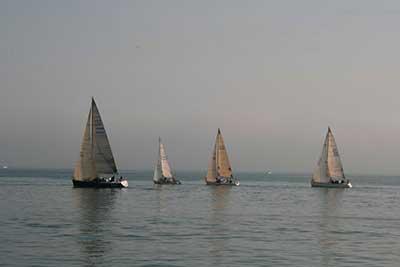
[{"x": 124, "y": 183}]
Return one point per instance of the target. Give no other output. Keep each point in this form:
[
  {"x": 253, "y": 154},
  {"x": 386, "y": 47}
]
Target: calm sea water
[{"x": 275, "y": 220}]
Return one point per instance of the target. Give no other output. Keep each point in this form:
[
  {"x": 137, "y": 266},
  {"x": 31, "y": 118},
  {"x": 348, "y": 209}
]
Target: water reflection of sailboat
[
  {"x": 94, "y": 207},
  {"x": 220, "y": 224},
  {"x": 330, "y": 210}
]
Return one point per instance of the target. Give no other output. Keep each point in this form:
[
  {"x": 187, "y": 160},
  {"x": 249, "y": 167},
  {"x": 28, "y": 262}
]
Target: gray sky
[{"x": 272, "y": 74}]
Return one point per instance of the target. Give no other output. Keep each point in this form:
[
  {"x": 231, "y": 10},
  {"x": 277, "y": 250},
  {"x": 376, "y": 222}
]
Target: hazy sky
[{"x": 271, "y": 74}]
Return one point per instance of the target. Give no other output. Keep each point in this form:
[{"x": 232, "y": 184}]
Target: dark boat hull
[
  {"x": 97, "y": 184},
  {"x": 234, "y": 183},
  {"x": 167, "y": 182},
  {"x": 331, "y": 185}
]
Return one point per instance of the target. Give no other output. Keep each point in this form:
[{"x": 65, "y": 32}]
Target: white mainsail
[
  {"x": 320, "y": 173},
  {"x": 96, "y": 158},
  {"x": 212, "y": 166},
  {"x": 85, "y": 167},
  {"x": 219, "y": 165},
  {"x": 329, "y": 165},
  {"x": 157, "y": 171}
]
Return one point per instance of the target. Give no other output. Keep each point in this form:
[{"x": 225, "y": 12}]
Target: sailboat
[
  {"x": 96, "y": 166},
  {"x": 162, "y": 170},
  {"x": 329, "y": 172},
  {"x": 219, "y": 169}
]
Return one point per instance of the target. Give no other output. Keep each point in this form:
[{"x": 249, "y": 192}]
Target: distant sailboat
[
  {"x": 329, "y": 171},
  {"x": 96, "y": 166},
  {"x": 162, "y": 170},
  {"x": 219, "y": 169},
  {"x": 4, "y": 164}
]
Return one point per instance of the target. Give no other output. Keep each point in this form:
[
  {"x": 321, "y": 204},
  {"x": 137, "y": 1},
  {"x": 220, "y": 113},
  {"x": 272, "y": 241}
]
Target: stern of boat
[{"x": 124, "y": 183}]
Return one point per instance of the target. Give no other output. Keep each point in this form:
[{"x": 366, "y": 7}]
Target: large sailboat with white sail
[
  {"x": 329, "y": 172},
  {"x": 162, "y": 171},
  {"x": 96, "y": 165},
  {"x": 219, "y": 169}
]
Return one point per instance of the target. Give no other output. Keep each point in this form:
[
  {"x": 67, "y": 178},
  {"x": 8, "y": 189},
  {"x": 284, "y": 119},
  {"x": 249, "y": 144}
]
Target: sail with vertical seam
[
  {"x": 223, "y": 166},
  {"x": 105, "y": 163},
  {"x": 212, "y": 166},
  {"x": 96, "y": 158},
  {"x": 162, "y": 168},
  {"x": 219, "y": 165},
  {"x": 157, "y": 171},
  {"x": 329, "y": 165},
  {"x": 335, "y": 167},
  {"x": 321, "y": 172},
  {"x": 85, "y": 167},
  {"x": 166, "y": 169}
]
